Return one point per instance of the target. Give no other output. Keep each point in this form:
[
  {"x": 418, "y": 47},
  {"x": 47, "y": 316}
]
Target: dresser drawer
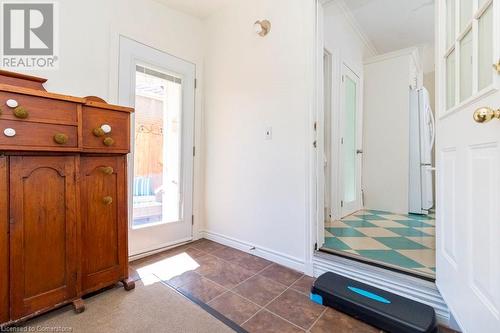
[
  {"x": 95, "y": 139},
  {"x": 16, "y": 135},
  {"x": 38, "y": 109}
]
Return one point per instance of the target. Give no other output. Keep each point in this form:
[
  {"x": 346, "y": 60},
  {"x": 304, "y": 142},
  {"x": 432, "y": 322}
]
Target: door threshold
[
  {"x": 379, "y": 264},
  {"x": 158, "y": 250}
]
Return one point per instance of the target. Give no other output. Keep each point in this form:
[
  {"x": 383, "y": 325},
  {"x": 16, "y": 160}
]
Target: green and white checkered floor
[{"x": 407, "y": 241}]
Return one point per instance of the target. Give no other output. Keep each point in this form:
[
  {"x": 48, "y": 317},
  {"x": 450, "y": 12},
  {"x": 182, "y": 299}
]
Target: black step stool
[{"x": 379, "y": 308}]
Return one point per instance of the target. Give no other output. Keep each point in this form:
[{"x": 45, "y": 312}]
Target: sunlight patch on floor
[{"x": 167, "y": 269}]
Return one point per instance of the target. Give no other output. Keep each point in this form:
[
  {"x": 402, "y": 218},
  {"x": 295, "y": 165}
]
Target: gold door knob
[
  {"x": 21, "y": 112},
  {"x": 108, "y": 141},
  {"x": 98, "y": 132},
  {"x": 107, "y": 170},
  {"x": 497, "y": 67},
  {"x": 107, "y": 200},
  {"x": 484, "y": 115},
  {"x": 61, "y": 138}
]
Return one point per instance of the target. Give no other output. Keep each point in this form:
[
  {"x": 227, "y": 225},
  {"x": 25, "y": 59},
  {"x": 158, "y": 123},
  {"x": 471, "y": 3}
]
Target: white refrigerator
[{"x": 422, "y": 135}]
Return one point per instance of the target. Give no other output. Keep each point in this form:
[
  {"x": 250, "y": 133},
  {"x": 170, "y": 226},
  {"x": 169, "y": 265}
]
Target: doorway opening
[{"x": 379, "y": 137}]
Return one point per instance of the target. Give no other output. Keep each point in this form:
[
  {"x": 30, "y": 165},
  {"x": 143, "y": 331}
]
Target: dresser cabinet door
[
  {"x": 43, "y": 227},
  {"x": 4, "y": 242},
  {"x": 104, "y": 222}
]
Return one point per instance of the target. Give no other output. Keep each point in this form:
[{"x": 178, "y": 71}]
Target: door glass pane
[
  {"x": 450, "y": 22},
  {"x": 466, "y": 66},
  {"x": 485, "y": 49},
  {"x": 156, "y": 190},
  {"x": 350, "y": 156},
  {"x": 465, "y": 13},
  {"x": 450, "y": 80}
]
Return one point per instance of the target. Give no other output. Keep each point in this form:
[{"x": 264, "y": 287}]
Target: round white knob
[
  {"x": 9, "y": 132},
  {"x": 12, "y": 103},
  {"x": 106, "y": 128}
]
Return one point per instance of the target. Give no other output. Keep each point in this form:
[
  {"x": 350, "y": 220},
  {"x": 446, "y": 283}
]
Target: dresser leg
[
  {"x": 128, "y": 284},
  {"x": 78, "y": 305}
]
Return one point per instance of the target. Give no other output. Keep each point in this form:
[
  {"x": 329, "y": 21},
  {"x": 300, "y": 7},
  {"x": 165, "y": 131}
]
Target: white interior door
[
  {"x": 468, "y": 163},
  {"x": 351, "y": 145},
  {"x": 161, "y": 88}
]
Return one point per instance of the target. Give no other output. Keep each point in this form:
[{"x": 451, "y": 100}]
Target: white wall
[
  {"x": 386, "y": 133},
  {"x": 89, "y": 43},
  {"x": 344, "y": 40},
  {"x": 343, "y": 37},
  {"x": 89, "y": 48},
  {"x": 256, "y": 189}
]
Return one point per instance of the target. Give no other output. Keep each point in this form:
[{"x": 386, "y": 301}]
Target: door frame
[
  {"x": 135, "y": 54},
  {"x": 335, "y": 71},
  {"x": 344, "y": 210},
  {"x": 324, "y": 206},
  {"x": 328, "y": 130}
]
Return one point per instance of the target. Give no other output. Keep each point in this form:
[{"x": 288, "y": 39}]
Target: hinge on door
[
  {"x": 343, "y": 78},
  {"x": 342, "y": 141},
  {"x": 315, "y": 144},
  {"x": 341, "y": 203},
  {"x": 315, "y": 246},
  {"x": 315, "y": 125},
  {"x": 194, "y": 151},
  {"x": 195, "y": 83},
  {"x": 192, "y": 219}
]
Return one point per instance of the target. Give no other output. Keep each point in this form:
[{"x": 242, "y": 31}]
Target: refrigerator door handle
[{"x": 433, "y": 127}]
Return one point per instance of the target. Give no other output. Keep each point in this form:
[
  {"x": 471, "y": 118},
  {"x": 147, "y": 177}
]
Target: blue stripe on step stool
[{"x": 370, "y": 295}]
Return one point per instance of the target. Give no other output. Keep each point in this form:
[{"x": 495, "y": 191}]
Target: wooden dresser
[{"x": 63, "y": 197}]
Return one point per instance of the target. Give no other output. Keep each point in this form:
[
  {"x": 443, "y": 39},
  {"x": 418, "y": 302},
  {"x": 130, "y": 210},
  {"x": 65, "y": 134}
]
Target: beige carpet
[{"x": 148, "y": 308}]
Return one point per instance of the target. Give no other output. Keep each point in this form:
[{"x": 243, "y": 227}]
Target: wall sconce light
[{"x": 262, "y": 28}]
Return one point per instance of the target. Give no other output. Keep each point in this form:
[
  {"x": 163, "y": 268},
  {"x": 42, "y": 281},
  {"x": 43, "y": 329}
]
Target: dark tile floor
[{"x": 254, "y": 293}]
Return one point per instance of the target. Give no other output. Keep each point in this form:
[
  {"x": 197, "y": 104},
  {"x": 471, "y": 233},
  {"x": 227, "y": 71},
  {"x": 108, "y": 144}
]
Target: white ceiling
[
  {"x": 395, "y": 24},
  {"x": 198, "y": 8}
]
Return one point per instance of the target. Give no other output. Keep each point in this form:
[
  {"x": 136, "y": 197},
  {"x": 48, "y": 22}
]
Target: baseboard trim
[
  {"x": 401, "y": 284},
  {"x": 160, "y": 248},
  {"x": 259, "y": 251}
]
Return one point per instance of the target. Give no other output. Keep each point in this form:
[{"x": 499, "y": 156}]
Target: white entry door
[
  {"x": 351, "y": 142},
  {"x": 468, "y": 162},
  {"x": 161, "y": 88}
]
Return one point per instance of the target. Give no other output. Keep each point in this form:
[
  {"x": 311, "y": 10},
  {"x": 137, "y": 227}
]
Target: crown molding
[
  {"x": 410, "y": 51},
  {"x": 354, "y": 24}
]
